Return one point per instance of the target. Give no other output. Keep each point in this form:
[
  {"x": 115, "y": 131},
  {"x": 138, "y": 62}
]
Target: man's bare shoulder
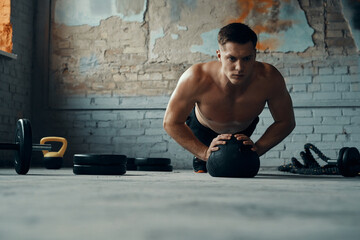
[
  {"x": 271, "y": 80},
  {"x": 203, "y": 70},
  {"x": 194, "y": 82},
  {"x": 200, "y": 73},
  {"x": 268, "y": 70}
]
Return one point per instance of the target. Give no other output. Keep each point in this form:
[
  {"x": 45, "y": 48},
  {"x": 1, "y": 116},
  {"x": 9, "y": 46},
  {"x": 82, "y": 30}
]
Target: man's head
[
  {"x": 237, "y": 33},
  {"x": 237, "y": 52}
]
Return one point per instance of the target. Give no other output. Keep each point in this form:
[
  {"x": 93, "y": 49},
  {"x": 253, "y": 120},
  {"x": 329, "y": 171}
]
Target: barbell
[{"x": 23, "y": 146}]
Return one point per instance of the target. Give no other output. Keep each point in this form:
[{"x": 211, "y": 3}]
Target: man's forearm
[
  {"x": 182, "y": 134},
  {"x": 273, "y": 136}
]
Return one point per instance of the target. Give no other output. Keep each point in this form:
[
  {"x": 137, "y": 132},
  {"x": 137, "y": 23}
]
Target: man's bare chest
[{"x": 225, "y": 109}]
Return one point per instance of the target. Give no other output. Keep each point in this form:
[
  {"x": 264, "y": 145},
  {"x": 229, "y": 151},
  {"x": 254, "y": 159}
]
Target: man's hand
[
  {"x": 246, "y": 141},
  {"x": 219, "y": 140}
]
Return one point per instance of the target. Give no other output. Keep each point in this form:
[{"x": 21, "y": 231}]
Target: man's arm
[
  {"x": 179, "y": 107},
  {"x": 281, "y": 109}
]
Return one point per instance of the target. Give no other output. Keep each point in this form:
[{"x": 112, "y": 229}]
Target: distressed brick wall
[
  {"x": 115, "y": 103},
  {"x": 15, "y": 75},
  {"x": 118, "y": 106}
]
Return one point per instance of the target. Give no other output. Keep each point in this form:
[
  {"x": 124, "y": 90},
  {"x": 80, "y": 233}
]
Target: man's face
[{"x": 237, "y": 61}]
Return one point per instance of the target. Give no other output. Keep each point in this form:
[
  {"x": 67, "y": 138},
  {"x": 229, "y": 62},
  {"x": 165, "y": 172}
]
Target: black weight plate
[
  {"x": 99, "y": 159},
  {"x": 340, "y": 159},
  {"x": 23, "y": 137},
  {"x": 152, "y": 161},
  {"x": 350, "y": 162},
  {"x": 130, "y": 164},
  {"x": 99, "y": 170},
  {"x": 131, "y": 167},
  {"x": 130, "y": 161},
  {"x": 155, "y": 168}
]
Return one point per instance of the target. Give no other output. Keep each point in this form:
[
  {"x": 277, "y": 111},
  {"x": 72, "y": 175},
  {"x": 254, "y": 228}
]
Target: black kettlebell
[{"x": 233, "y": 159}]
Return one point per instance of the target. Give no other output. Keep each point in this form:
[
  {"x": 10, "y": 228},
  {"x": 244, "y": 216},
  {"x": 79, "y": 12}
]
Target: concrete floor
[{"x": 55, "y": 204}]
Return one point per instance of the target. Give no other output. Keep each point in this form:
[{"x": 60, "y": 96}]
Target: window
[{"x": 6, "y": 43}]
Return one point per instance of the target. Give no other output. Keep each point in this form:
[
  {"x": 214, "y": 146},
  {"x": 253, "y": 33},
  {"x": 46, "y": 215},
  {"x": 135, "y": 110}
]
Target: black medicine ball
[{"x": 234, "y": 159}]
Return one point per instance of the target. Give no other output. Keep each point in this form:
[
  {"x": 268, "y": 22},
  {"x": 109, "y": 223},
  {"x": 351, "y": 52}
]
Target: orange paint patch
[
  {"x": 268, "y": 23},
  {"x": 5, "y": 26}
]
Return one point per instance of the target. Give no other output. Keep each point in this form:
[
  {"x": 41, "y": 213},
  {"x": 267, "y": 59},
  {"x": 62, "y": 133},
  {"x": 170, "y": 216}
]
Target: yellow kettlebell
[{"x": 53, "y": 160}]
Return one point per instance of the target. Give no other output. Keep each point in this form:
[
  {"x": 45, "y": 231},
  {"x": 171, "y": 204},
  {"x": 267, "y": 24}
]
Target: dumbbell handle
[
  {"x": 9, "y": 146},
  {"x": 332, "y": 161},
  {"x": 15, "y": 146},
  {"x": 41, "y": 147}
]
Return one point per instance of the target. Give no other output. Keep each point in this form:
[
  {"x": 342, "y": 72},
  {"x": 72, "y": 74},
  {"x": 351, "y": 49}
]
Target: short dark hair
[{"x": 238, "y": 33}]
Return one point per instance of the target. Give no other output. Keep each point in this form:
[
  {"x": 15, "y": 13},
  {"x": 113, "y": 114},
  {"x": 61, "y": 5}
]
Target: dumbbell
[
  {"x": 348, "y": 161},
  {"x": 23, "y": 146}
]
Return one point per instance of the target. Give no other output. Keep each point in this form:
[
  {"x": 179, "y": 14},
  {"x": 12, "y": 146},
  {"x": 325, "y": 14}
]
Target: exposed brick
[
  {"x": 311, "y": 71},
  {"x": 159, "y": 147},
  {"x": 351, "y": 95},
  {"x": 342, "y": 87},
  {"x": 341, "y": 70},
  {"x": 298, "y": 79},
  {"x": 138, "y": 124},
  {"x": 354, "y": 87},
  {"x": 132, "y": 132},
  {"x": 154, "y": 84},
  {"x": 326, "y": 78},
  {"x": 352, "y": 129},
  {"x": 313, "y": 138},
  {"x": 350, "y": 78},
  {"x": 325, "y": 71},
  {"x": 328, "y": 137},
  {"x": 327, "y": 87},
  {"x": 335, "y": 120},
  {"x": 328, "y": 129},
  {"x": 154, "y": 114},
  {"x": 337, "y": 26},
  {"x": 314, "y": 87},
  {"x": 327, "y": 96},
  {"x": 149, "y": 139},
  {"x": 295, "y": 71},
  {"x": 155, "y": 132},
  {"x": 124, "y": 139},
  {"x": 128, "y": 115},
  {"x": 98, "y": 139},
  {"x": 351, "y": 112},
  {"x": 301, "y": 121},
  {"x": 303, "y": 113},
  {"x": 334, "y": 34},
  {"x": 303, "y": 129},
  {"x": 104, "y": 116},
  {"x": 354, "y": 69},
  {"x": 327, "y": 112}
]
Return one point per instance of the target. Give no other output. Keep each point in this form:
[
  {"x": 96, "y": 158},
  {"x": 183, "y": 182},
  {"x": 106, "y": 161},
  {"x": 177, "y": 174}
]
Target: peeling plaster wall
[
  {"x": 89, "y": 39},
  {"x": 113, "y": 68},
  {"x": 112, "y": 49},
  {"x": 80, "y": 12}
]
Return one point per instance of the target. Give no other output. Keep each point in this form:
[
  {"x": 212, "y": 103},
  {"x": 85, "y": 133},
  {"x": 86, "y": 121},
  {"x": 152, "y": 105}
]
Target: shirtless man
[{"x": 215, "y": 100}]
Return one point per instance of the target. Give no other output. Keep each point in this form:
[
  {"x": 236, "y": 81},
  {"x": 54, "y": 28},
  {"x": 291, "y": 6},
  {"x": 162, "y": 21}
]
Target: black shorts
[{"x": 206, "y": 135}]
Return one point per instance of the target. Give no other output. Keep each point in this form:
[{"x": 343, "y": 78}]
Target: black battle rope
[
  {"x": 310, "y": 166},
  {"x": 312, "y": 147}
]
